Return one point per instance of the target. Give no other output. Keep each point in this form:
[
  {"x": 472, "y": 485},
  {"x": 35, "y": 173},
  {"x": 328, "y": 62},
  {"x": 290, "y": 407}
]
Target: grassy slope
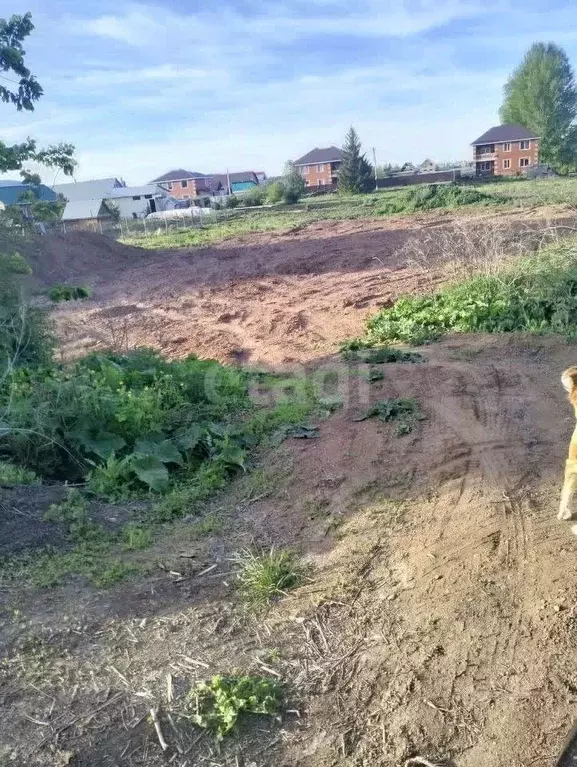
[{"x": 519, "y": 193}]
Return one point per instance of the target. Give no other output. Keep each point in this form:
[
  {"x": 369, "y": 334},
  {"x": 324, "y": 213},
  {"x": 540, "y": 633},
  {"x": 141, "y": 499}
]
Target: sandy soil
[{"x": 271, "y": 298}]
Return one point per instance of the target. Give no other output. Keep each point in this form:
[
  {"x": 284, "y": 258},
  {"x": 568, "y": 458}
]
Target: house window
[
  {"x": 524, "y": 145},
  {"x": 506, "y": 164},
  {"x": 148, "y": 197},
  {"x": 184, "y": 184},
  {"x": 524, "y": 162},
  {"x": 485, "y": 165},
  {"x": 169, "y": 185},
  {"x": 320, "y": 182},
  {"x": 506, "y": 147},
  {"x": 320, "y": 168},
  {"x": 306, "y": 169},
  {"x": 137, "y": 197}
]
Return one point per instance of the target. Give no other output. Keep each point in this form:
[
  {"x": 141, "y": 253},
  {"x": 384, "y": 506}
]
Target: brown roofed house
[
  {"x": 506, "y": 150},
  {"x": 184, "y": 184},
  {"x": 319, "y": 167}
]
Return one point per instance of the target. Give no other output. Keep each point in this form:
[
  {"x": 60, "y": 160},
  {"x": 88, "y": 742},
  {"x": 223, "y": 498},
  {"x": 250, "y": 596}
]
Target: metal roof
[
  {"x": 329, "y": 154},
  {"x": 178, "y": 175},
  {"x": 96, "y": 189},
  {"x": 83, "y": 209},
  {"x": 137, "y": 191},
  {"x": 509, "y": 132},
  {"x": 10, "y": 195}
]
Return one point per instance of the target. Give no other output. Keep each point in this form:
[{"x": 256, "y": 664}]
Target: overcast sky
[{"x": 143, "y": 87}]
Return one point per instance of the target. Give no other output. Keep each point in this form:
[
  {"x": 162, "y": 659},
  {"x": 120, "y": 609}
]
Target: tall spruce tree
[
  {"x": 355, "y": 172},
  {"x": 541, "y": 95}
]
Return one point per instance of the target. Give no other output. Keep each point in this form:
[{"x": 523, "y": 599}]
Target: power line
[{"x": 15, "y": 82}]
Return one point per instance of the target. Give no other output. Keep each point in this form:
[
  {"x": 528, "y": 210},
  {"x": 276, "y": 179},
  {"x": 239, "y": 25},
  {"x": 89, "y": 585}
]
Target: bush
[
  {"x": 232, "y": 201},
  {"x": 537, "y": 294},
  {"x": 430, "y": 196},
  {"x": 25, "y": 336},
  {"x": 60, "y": 293},
  {"x": 275, "y": 192},
  {"x": 256, "y": 196},
  {"x": 126, "y": 423}
]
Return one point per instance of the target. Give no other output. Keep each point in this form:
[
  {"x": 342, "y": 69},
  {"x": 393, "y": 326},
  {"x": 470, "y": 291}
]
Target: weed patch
[
  {"x": 405, "y": 412},
  {"x": 216, "y": 705},
  {"x": 60, "y": 293},
  {"x": 431, "y": 196},
  {"x": 266, "y": 575},
  {"x": 11, "y": 475},
  {"x": 537, "y": 294}
]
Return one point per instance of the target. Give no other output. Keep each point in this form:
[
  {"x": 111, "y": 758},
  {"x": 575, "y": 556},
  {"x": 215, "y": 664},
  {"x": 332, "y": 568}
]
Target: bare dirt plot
[
  {"x": 268, "y": 298},
  {"x": 440, "y": 615}
]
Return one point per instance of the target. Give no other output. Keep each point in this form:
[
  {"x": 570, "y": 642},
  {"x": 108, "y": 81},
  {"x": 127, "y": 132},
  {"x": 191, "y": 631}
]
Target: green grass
[
  {"x": 535, "y": 294},
  {"x": 263, "y": 576},
  {"x": 15, "y": 475},
  {"x": 393, "y": 201}
]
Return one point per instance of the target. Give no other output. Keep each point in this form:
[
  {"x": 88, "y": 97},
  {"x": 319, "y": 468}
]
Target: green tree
[
  {"x": 293, "y": 183},
  {"x": 355, "y": 172},
  {"x": 541, "y": 95},
  {"x": 13, "y": 32}
]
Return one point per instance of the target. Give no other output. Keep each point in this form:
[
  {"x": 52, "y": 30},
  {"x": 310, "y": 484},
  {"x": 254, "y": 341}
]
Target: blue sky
[{"x": 142, "y": 87}]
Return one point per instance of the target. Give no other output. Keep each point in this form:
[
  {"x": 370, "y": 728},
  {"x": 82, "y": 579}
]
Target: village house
[
  {"x": 185, "y": 184},
  {"x": 320, "y": 167},
  {"x": 505, "y": 150}
]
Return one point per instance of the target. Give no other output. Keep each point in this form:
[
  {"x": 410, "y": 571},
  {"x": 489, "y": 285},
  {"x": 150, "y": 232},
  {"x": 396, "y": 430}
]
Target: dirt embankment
[{"x": 273, "y": 298}]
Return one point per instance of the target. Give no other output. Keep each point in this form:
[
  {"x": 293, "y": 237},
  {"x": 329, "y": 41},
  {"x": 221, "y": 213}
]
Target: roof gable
[
  {"x": 10, "y": 194},
  {"x": 178, "y": 175},
  {"x": 316, "y": 155},
  {"x": 508, "y": 132},
  {"x": 88, "y": 190},
  {"x": 80, "y": 210}
]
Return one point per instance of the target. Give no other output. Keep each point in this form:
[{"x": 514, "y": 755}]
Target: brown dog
[{"x": 569, "y": 381}]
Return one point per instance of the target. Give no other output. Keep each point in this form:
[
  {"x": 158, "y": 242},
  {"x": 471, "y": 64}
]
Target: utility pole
[
  {"x": 376, "y": 175},
  {"x": 228, "y": 181}
]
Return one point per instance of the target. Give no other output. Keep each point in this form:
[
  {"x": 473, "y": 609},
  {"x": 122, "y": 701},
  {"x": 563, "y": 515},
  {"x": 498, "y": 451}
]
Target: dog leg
[{"x": 569, "y": 490}]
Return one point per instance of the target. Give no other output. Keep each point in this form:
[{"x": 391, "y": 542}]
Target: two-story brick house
[
  {"x": 505, "y": 150},
  {"x": 184, "y": 184},
  {"x": 320, "y": 167}
]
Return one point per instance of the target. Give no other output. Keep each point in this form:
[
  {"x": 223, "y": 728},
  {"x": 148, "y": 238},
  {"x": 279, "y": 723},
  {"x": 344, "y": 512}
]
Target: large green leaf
[
  {"x": 151, "y": 471},
  {"x": 189, "y": 438},
  {"x": 166, "y": 451},
  {"x": 104, "y": 444}
]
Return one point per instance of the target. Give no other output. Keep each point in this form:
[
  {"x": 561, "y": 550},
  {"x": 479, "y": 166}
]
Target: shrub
[
  {"x": 60, "y": 293},
  {"x": 232, "y": 201},
  {"x": 536, "y": 294},
  {"x": 255, "y": 196},
  {"x": 25, "y": 336},
  {"x": 275, "y": 192},
  {"x": 217, "y": 705}
]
